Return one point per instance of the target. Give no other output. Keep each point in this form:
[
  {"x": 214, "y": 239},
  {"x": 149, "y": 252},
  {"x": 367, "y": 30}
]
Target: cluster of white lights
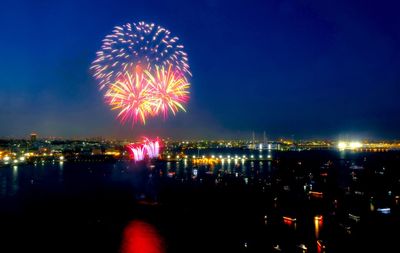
[
  {"x": 343, "y": 145},
  {"x": 20, "y": 159},
  {"x": 220, "y": 157}
]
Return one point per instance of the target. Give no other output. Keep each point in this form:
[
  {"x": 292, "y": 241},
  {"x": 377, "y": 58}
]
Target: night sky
[{"x": 296, "y": 69}]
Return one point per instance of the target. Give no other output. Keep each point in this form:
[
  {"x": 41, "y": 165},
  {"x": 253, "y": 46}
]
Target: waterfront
[{"x": 297, "y": 200}]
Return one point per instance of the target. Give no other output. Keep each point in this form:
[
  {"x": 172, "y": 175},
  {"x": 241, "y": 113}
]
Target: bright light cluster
[
  {"x": 343, "y": 145},
  {"x": 144, "y": 72},
  {"x": 146, "y": 149}
]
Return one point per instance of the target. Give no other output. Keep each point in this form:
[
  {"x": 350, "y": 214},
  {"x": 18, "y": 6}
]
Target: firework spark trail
[
  {"x": 152, "y": 148},
  {"x": 137, "y": 152}
]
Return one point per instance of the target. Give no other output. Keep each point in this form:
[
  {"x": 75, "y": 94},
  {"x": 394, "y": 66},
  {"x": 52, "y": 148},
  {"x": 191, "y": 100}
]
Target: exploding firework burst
[
  {"x": 142, "y": 44},
  {"x": 133, "y": 96},
  {"x": 141, "y": 94},
  {"x": 170, "y": 90}
]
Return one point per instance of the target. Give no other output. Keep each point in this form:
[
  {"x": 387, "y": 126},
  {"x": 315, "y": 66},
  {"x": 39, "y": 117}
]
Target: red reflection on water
[
  {"x": 141, "y": 237},
  {"x": 289, "y": 220}
]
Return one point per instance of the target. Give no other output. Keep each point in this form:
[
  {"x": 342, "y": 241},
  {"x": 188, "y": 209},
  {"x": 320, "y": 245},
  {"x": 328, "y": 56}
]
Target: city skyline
[
  {"x": 254, "y": 137},
  {"x": 308, "y": 70}
]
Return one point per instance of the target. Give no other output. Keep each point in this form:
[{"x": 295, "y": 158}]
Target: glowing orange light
[
  {"x": 316, "y": 194},
  {"x": 318, "y": 225}
]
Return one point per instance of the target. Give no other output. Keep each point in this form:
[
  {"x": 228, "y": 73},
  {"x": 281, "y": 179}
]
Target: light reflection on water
[
  {"x": 12, "y": 179},
  {"x": 9, "y": 184},
  {"x": 15, "y": 179},
  {"x": 141, "y": 237},
  {"x": 318, "y": 221}
]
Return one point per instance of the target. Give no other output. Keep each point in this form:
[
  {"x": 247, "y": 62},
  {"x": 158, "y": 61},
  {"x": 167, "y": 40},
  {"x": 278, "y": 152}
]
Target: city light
[
  {"x": 288, "y": 220},
  {"x": 352, "y": 145},
  {"x": 383, "y": 210},
  {"x": 342, "y": 145}
]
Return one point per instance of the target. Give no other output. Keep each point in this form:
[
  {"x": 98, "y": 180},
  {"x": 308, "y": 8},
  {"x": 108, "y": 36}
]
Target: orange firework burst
[
  {"x": 133, "y": 96},
  {"x": 170, "y": 90},
  {"x": 139, "y": 94}
]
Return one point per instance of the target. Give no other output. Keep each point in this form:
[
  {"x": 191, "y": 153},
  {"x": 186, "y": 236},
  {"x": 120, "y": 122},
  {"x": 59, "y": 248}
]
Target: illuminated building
[{"x": 33, "y": 137}]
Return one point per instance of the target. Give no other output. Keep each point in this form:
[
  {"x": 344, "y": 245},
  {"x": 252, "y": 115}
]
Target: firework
[
  {"x": 140, "y": 94},
  {"x": 143, "y": 70},
  {"x": 133, "y": 96},
  {"x": 146, "y": 149},
  {"x": 170, "y": 90},
  {"x": 137, "y": 44},
  {"x": 137, "y": 152},
  {"x": 152, "y": 148}
]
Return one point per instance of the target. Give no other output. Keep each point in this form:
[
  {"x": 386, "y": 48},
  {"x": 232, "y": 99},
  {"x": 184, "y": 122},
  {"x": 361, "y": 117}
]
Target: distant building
[
  {"x": 97, "y": 151},
  {"x": 33, "y": 137}
]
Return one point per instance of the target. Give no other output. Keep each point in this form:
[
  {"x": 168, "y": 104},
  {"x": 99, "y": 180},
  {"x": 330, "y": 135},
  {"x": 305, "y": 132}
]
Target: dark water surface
[{"x": 178, "y": 207}]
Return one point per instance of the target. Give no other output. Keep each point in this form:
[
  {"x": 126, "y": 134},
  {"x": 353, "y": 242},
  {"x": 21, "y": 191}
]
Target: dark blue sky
[{"x": 292, "y": 68}]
